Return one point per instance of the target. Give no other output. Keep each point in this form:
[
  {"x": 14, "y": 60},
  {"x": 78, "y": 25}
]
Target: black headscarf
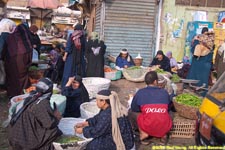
[
  {"x": 204, "y": 29},
  {"x": 160, "y": 52},
  {"x": 84, "y": 92}
]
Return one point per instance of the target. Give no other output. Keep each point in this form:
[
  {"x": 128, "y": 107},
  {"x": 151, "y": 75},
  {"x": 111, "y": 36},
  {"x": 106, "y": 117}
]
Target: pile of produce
[
  {"x": 33, "y": 68},
  {"x": 43, "y": 57},
  {"x": 160, "y": 71},
  {"x": 189, "y": 99},
  {"x": 107, "y": 69},
  {"x": 31, "y": 88},
  {"x": 69, "y": 139},
  {"x": 134, "y": 68},
  {"x": 175, "y": 78}
]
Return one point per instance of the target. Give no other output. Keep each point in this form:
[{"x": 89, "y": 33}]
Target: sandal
[
  {"x": 164, "y": 140},
  {"x": 145, "y": 142}
]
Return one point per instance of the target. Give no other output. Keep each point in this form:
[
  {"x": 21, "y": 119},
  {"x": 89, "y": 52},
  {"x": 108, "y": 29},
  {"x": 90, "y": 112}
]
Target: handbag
[{"x": 2, "y": 73}]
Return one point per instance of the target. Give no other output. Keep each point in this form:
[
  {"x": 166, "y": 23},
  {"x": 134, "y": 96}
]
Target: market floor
[{"x": 124, "y": 88}]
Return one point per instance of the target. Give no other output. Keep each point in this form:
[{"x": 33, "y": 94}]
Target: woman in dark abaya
[
  {"x": 17, "y": 55},
  {"x": 35, "y": 125},
  {"x": 94, "y": 54},
  {"x": 76, "y": 94},
  {"x": 201, "y": 63},
  {"x": 74, "y": 55}
]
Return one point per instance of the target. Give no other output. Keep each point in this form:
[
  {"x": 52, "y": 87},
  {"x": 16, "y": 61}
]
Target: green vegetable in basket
[
  {"x": 55, "y": 91},
  {"x": 43, "y": 57},
  {"x": 32, "y": 68},
  {"x": 175, "y": 78},
  {"x": 134, "y": 68},
  {"x": 65, "y": 140},
  {"x": 160, "y": 71},
  {"x": 189, "y": 99}
]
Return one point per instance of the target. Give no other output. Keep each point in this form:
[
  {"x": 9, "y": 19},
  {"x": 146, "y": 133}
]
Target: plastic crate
[
  {"x": 114, "y": 75},
  {"x": 183, "y": 129}
]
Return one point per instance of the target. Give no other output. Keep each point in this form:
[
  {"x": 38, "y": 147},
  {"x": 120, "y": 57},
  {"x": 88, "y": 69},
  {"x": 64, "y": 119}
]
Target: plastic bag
[
  {"x": 35, "y": 56},
  {"x": 2, "y": 73}
]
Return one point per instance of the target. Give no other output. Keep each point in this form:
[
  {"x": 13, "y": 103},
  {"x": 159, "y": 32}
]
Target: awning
[{"x": 4, "y": 1}]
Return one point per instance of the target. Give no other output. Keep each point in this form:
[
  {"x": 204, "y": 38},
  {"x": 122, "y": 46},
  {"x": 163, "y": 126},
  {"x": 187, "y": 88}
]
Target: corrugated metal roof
[{"x": 129, "y": 24}]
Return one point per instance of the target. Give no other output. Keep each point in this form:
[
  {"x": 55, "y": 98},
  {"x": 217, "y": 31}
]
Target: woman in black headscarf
[
  {"x": 161, "y": 61},
  {"x": 76, "y": 94},
  {"x": 35, "y": 124},
  {"x": 74, "y": 55}
]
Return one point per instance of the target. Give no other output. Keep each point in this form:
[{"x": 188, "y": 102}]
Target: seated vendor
[
  {"x": 35, "y": 124},
  {"x": 124, "y": 60},
  {"x": 161, "y": 61},
  {"x": 76, "y": 94},
  {"x": 149, "y": 109},
  {"x": 110, "y": 128},
  {"x": 173, "y": 62}
]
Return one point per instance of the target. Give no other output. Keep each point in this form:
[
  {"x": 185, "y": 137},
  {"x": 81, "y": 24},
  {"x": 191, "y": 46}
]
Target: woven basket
[
  {"x": 95, "y": 84},
  {"x": 183, "y": 129},
  {"x": 185, "y": 110},
  {"x": 88, "y": 110},
  {"x": 136, "y": 75}
]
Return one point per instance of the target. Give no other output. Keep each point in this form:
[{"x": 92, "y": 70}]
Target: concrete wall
[{"x": 174, "y": 19}]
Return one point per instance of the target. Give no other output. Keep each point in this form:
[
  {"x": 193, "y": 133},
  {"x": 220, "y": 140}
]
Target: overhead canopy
[
  {"x": 42, "y": 8},
  {"x": 44, "y": 4}
]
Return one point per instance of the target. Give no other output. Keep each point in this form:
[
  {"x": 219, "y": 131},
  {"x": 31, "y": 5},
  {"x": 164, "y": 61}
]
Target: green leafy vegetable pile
[
  {"x": 160, "y": 71},
  {"x": 66, "y": 140},
  {"x": 43, "y": 57},
  {"x": 134, "y": 68},
  {"x": 175, "y": 78},
  {"x": 32, "y": 68},
  {"x": 189, "y": 99}
]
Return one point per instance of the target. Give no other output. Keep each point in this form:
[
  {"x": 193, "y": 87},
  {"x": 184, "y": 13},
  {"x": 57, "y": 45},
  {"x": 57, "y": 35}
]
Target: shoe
[{"x": 146, "y": 141}]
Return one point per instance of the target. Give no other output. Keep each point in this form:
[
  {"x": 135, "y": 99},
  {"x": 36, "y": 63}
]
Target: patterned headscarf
[
  {"x": 54, "y": 55},
  {"x": 117, "y": 111},
  {"x": 169, "y": 54},
  {"x": 7, "y": 25}
]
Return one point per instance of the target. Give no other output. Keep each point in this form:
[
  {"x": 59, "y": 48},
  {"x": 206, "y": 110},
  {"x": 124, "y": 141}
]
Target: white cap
[{"x": 139, "y": 56}]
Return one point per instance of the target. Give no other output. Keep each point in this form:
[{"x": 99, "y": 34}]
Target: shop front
[{"x": 17, "y": 14}]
